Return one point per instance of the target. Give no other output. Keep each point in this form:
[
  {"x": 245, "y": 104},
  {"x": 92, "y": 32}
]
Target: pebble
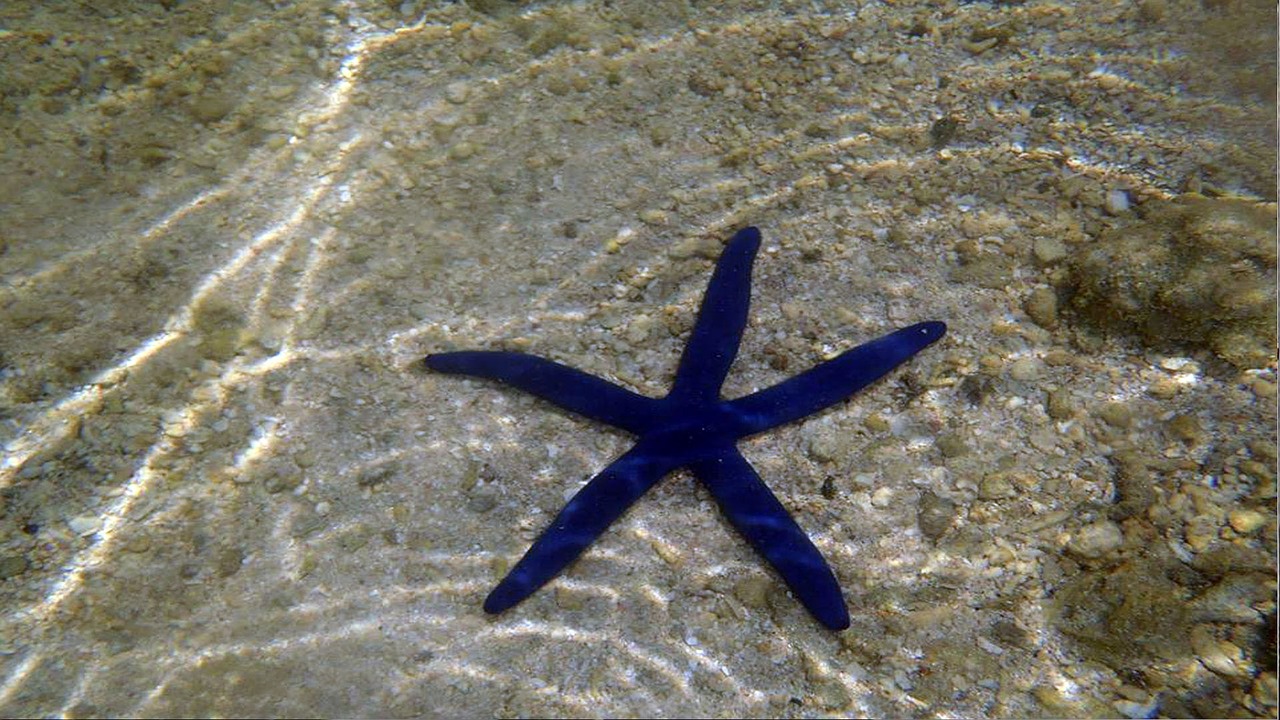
[
  {"x": 1265, "y": 690},
  {"x": 1246, "y": 521},
  {"x": 1049, "y": 250},
  {"x": 568, "y": 599},
  {"x": 752, "y": 591},
  {"x": 13, "y": 565},
  {"x": 1185, "y": 428},
  {"x": 882, "y": 497},
  {"x": 952, "y": 445},
  {"x": 1116, "y": 414},
  {"x": 1096, "y": 540},
  {"x": 996, "y": 486},
  {"x": 1137, "y": 710},
  {"x": 85, "y": 524},
  {"x": 825, "y": 447},
  {"x": 1059, "y": 406},
  {"x": 1220, "y": 656},
  {"x": 1232, "y": 598},
  {"x": 1117, "y": 202},
  {"x": 1042, "y": 307},
  {"x": 457, "y": 92},
  {"x": 1025, "y": 369},
  {"x": 934, "y": 515}
]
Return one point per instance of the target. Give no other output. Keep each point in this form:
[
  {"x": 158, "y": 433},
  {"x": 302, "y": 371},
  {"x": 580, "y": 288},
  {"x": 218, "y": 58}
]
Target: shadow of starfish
[{"x": 693, "y": 427}]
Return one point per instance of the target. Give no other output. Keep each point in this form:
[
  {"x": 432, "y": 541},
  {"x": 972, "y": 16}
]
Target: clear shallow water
[{"x": 232, "y": 233}]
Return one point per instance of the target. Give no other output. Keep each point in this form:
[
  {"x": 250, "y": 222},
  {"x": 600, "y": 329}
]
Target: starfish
[{"x": 693, "y": 427}]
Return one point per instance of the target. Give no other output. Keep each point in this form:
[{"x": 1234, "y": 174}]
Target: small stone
[
  {"x": 1137, "y": 710},
  {"x": 1011, "y": 634},
  {"x": 1232, "y": 599},
  {"x": 228, "y": 562},
  {"x": 1059, "y": 358},
  {"x": 1096, "y": 540},
  {"x": 482, "y": 501},
  {"x": 753, "y": 591},
  {"x": 1042, "y": 307},
  {"x": 824, "y": 447},
  {"x": 375, "y": 476},
  {"x": 952, "y": 445},
  {"x": 1265, "y": 690},
  {"x": 1025, "y": 369},
  {"x": 138, "y": 543},
  {"x": 283, "y": 475},
  {"x": 1200, "y": 533},
  {"x": 305, "y": 458},
  {"x": 1116, "y": 414},
  {"x": 1049, "y": 250},
  {"x": 1185, "y": 428},
  {"x": 1117, "y": 202},
  {"x": 996, "y": 486},
  {"x": 85, "y": 525},
  {"x": 12, "y": 566},
  {"x": 1220, "y": 656},
  {"x": 1163, "y": 389},
  {"x": 567, "y": 599},
  {"x": 1246, "y": 521},
  {"x": 934, "y": 515},
  {"x": 1152, "y": 10},
  {"x": 653, "y": 217},
  {"x": 639, "y": 329},
  {"x": 457, "y": 92},
  {"x": 1058, "y": 404},
  {"x": 1053, "y": 701},
  {"x": 881, "y": 497},
  {"x": 1265, "y": 390},
  {"x": 211, "y": 107}
]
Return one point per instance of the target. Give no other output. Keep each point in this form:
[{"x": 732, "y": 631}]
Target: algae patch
[
  {"x": 1195, "y": 270},
  {"x": 1126, "y": 617}
]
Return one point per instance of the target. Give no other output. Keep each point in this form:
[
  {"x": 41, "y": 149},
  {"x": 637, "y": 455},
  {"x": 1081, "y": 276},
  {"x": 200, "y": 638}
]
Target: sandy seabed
[{"x": 232, "y": 231}]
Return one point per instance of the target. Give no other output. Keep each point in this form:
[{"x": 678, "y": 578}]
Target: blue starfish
[{"x": 693, "y": 427}]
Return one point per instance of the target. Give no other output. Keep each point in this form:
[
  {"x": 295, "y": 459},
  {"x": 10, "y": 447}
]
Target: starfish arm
[
  {"x": 834, "y": 380},
  {"x": 558, "y": 384},
  {"x": 723, "y": 316},
  {"x": 765, "y": 523},
  {"x": 583, "y": 519}
]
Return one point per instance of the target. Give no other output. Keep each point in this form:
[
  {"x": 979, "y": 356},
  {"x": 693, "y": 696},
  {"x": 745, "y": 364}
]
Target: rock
[{"x": 1232, "y": 598}]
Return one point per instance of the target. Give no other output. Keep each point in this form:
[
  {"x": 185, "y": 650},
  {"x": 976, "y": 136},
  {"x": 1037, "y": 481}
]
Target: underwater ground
[{"x": 233, "y": 229}]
